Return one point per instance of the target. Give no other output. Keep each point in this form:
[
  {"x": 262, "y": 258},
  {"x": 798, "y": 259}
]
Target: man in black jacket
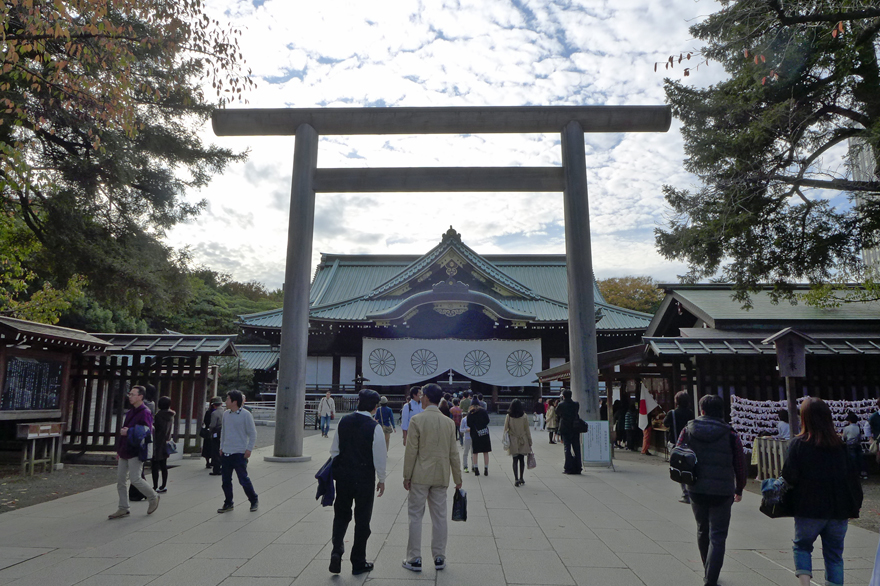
[
  {"x": 568, "y": 412},
  {"x": 359, "y": 455},
  {"x": 721, "y": 478}
]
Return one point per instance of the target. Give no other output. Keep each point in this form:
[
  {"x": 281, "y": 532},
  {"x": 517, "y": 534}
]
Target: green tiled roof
[
  {"x": 258, "y": 356},
  {"x": 352, "y": 287}
]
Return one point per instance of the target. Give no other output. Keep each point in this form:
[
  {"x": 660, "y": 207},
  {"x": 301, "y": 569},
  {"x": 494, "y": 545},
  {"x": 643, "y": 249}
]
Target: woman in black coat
[
  {"x": 825, "y": 491},
  {"x": 163, "y": 425},
  {"x": 481, "y": 443}
]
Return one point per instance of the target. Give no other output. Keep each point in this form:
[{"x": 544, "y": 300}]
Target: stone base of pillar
[{"x": 287, "y": 459}]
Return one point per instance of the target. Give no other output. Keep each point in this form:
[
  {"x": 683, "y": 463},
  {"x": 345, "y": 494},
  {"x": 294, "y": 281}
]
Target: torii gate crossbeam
[{"x": 307, "y": 124}]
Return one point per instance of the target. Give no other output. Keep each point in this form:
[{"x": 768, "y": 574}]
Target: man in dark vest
[
  {"x": 359, "y": 455},
  {"x": 567, "y": 412},
  {"x": 721, "y": 478}
]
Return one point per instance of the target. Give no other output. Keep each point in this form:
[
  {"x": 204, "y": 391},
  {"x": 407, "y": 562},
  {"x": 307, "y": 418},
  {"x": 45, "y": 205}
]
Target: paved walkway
[{"x": 605, "y": 528}]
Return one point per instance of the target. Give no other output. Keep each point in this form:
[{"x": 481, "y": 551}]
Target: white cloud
[{"x": 464, "y": 52}]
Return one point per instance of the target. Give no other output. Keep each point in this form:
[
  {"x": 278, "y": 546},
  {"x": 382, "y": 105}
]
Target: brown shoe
[
  {"x": 153, "y": 506},
  {"x": 119, "y": 514}
]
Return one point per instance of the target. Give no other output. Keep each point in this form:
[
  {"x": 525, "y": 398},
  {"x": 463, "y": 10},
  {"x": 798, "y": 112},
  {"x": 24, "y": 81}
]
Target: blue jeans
[
  {"x": 806, "y": 531},
  {"x": 325, "y": 424},
  {"x": 238, "y": 463}
]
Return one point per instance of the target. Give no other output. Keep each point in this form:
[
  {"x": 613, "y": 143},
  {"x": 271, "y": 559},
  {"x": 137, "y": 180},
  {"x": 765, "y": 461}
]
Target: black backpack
[{"x": 683, "y": 465}]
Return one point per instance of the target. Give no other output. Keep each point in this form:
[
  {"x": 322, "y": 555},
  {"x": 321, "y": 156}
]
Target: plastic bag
[
  {"x": 531, "y": 462},
  {"x": 505, "y": 441},
  {"x": 459, "y": 505}
]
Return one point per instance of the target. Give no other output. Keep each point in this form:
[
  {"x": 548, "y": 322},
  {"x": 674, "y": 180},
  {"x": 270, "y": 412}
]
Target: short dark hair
[
  {"x": 139, "y": 390},
  {"x": 150, "y": 392},
  {"x": 566, "y": 394},
  {"x": 433, "y": 392},
  {"x": 164, "y": 403},
  {"x": 516, "y": 409},
  {"x": 479, "y": 396},
  {"x": 783, "y": 415},
  {"x": 682, "y": 399},
  {"x": 712, "y": 406},
  {"x": 852, "y": 417},
  {"x": 456, "y": 402},
  {"x": 368, "y": 399},
  {"x": 236, "y": 397},
  {"x": 414, "y": 391}
]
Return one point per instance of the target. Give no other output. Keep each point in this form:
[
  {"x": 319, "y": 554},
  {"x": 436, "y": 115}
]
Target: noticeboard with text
[
  {"x": 31, "y": 384},
  {"x": 596, "y": 444}
]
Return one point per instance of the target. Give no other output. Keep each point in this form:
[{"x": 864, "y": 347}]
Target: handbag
[
  {"x": 459, "y": 505},
  {"x": 505, "y": 441},
  {"x": 171, "y": 447},
  {"x": 872, "y": 447},
  {"x": 580, "y": 426},
  {"x": 205, "y": 433},
  {"x": 531, "y": 463},
  {"x": 774, "y": 502}
]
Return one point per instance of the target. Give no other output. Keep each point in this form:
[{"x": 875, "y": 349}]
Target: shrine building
[{"x": 485, "y": 322}]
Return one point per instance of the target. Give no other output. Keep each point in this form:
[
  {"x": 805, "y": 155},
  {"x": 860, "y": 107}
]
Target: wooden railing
[{"x": 769, "y": 454}]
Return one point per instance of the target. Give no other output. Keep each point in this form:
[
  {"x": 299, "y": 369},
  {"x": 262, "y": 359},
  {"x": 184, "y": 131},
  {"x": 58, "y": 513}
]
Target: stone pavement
[{"x": 605, "y": 528}]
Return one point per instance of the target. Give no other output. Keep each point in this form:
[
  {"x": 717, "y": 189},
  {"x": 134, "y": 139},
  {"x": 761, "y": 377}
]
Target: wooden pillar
[
  {"x": 579, "y": 262},
  {"x": 291, "y": 397}
]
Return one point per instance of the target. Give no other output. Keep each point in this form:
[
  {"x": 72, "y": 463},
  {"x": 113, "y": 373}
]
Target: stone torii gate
[{"x": 307, "y": 124}]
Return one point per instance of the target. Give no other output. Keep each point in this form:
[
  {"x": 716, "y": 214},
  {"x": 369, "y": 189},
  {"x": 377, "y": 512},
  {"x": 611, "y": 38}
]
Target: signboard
[
  {"x": 31, "y": 384},
  {"x": 596, "y": 444},
  {"x": 791, "y": 356}
]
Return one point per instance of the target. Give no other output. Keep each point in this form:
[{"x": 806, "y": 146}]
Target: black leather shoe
[
  {"x": 366, "y": 567},
  {"x": 215, "y": 474},
  {"x": 335, "y": 563}
]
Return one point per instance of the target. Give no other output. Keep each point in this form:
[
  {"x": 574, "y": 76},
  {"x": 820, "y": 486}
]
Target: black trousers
[
  {"x": 215, "y": 455},
  {"x": 572, "y": 444},
  {"x": 361, "y": 495},
  {"x": 712, "y": 514}
]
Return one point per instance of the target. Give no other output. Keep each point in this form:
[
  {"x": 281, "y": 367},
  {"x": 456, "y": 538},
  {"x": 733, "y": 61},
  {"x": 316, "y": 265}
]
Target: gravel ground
[
  {"x": 17, "y": 491},
  {"x": 870, "y": 514}
]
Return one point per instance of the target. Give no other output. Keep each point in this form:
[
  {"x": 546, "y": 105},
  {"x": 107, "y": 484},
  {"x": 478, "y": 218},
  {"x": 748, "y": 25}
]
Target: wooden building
[
  {"x": 714, "y": 345},
  {"x": 489, "y": 322}
]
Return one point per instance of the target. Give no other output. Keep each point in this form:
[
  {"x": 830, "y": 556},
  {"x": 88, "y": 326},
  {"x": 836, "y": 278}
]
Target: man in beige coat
[{"x": 431, "y": 454}]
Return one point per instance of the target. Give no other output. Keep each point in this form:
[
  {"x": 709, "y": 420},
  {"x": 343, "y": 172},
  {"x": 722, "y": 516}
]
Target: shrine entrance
[{"x": 307, "y": 124}]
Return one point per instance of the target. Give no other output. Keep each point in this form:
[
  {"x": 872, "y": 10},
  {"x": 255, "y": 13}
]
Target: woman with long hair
[
  {"x": 516, "y": 426},
  {"x": 825, "y": 491},
  {"x": 163, "y": 427},
  {"x": 552, "y": 420},
  {"x": 478, "y": 422}
]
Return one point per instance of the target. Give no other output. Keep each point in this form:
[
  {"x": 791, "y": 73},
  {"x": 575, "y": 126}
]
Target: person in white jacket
[
  {"x": 326, "y": 411},
  {"x": 412, "y": 407},
  {"x": 466, "y": 435}
]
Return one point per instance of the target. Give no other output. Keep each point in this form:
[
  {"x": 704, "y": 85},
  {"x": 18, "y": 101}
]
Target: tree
[
  {"x": 803, "y": 94},
  {"x": 101, "y": 104},
  {"x": 636, "y": 293},
  {"x": 23, "y": 294}
]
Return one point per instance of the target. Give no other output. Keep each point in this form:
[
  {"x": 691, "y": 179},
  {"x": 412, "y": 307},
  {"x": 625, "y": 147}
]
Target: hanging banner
[{"x": 406, "y": 361}]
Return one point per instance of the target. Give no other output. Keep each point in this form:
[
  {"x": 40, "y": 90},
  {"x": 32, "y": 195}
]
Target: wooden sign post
[{"x": 791, "y": 357}]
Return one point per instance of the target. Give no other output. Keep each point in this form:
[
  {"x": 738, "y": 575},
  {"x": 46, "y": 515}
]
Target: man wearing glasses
[{"x": 129, "y": 464}]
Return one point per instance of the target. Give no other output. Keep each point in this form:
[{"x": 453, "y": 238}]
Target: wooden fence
[
  {"x": 98, "y": 389},
  {"x": 769, "y": 454}
]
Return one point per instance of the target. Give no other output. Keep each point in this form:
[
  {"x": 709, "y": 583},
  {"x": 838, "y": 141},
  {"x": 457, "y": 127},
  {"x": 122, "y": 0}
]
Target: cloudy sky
[{"x": 334, "y": 53}]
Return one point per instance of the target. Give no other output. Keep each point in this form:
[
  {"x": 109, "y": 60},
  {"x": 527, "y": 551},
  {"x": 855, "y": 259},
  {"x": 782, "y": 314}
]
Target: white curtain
[{"x": 407, "y": 361}]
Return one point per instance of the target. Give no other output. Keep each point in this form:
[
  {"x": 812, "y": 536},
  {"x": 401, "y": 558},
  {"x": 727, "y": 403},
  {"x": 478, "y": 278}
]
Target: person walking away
[
  {"x": 163, "y": 426},
  {"x": 445, "y": 409},
  {"x": 129, "y": 465},
  {"x": 205, "y": 433},
  {"x": 481, "y": 443},
  {"x": 237, "y": 439},
  {"x": 852, "y": 437},
  {"x": 721, "y": 479},
  {"x": 455, "y": 410},
  {"x": 465, "y": 433},
  {"x": 676, "y": 420},
  {"x": 539, "y": 415},
  {"x": 466, "y": 403},
  {"x": 632, "y": 427},
  {"x": 430, "y": 457},
  {"x": 516, "y": 426},
  {"x": 385, "y": 419},
  {"x": 327, "y": 411},
  {"x": 482, "y": 403},
  {"x": 874, "y": 424},
  {"x": 411, "y": 408},
  {"x": 620, "y": 421},
  {"x": 551, "y": 420},
  {"x": 358, "y": 460},
  {"x": 825, "y": 491},
  {"x": 216, "y": 428},
  {"x": 568, "y": 412},
  {"x": 783, "y": 428}
]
